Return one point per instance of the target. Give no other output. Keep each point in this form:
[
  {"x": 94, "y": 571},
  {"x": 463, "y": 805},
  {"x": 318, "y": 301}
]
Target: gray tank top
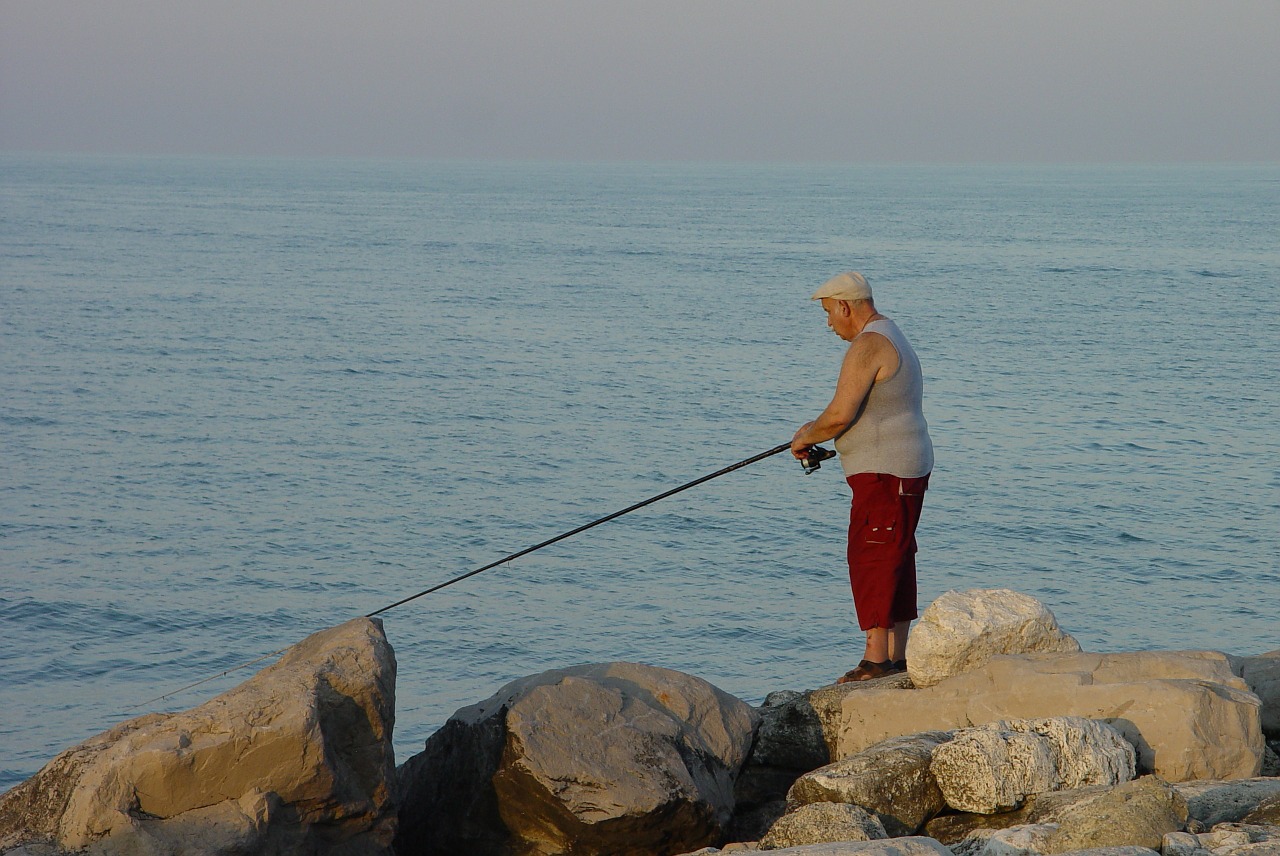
[{"x": 889, "y": 435}]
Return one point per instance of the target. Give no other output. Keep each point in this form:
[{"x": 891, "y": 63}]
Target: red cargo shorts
[{"x": 882, "y": 547}]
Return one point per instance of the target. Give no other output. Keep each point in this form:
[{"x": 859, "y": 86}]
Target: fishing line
[{"x": 810, "y": 464}]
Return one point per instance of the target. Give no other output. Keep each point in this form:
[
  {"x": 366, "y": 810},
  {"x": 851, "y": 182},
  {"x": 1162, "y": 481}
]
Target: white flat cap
[{"x": 846, "y": 286}]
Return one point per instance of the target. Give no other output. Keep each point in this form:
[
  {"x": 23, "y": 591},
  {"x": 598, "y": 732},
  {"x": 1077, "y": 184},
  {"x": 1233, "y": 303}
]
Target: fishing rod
[{"x": 812, "y": 461}]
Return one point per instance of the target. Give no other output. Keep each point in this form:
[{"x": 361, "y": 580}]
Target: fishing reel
[{"x": 813, "y": 458}]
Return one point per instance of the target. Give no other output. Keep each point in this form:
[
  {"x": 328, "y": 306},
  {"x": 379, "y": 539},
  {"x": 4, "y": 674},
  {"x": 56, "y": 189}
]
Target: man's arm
[{"x": 867, "y": 357}]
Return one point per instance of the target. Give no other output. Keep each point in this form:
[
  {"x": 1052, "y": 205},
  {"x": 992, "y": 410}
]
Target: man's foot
[{"x": 867, "y": 670}]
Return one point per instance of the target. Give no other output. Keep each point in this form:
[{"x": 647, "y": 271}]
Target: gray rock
[
  {"x": 995, "y": 767},
  {"x": 751, "y": 824},
  {"x": 1270, "y": 761},
  {"x": 823, "y": 823},
  {"x": 605, "y": 758},
  {"x": 1262, "y": 674},
  {"x": 789, "y": 741},
  {"x": 974, "y": 841},
  {"x": 891, "y": 778},
  {"x": 961, "y": 630},
  {"x": 1213, "y": 801},
  {"x": 790, "y": 734}
]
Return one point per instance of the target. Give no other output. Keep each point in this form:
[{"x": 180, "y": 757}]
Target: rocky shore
[{"x": 1003, "y": 738}]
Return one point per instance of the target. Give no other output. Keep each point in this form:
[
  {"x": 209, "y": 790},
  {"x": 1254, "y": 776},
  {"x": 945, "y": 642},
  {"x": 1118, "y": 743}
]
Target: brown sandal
[{"x": 867, "y": 671}]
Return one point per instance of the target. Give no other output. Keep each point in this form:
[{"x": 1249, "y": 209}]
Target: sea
[{"x": 243, "y": 400}]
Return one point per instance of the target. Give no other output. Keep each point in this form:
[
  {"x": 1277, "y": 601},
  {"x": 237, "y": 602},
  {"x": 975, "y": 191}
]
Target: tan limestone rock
[
  {"x": 1186, "y": 714},
  {"x": 891, "y": 779},
  {"x": 822, "y": 823},
  {"x": 961, "y": 630},
  {"x": 994, "y": 767},
  {"x": 300, "y": 753},
  {"x": 1138, "y": 813}
]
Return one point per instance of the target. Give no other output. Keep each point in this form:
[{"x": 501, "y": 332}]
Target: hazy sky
[{"x": 982, "y": 80}]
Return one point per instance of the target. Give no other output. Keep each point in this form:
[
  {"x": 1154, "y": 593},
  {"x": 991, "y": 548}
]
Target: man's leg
[{"x": 884, "y": 643}]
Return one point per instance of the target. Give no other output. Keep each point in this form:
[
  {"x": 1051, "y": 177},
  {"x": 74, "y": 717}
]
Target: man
[{"x": 878, "y": 424}]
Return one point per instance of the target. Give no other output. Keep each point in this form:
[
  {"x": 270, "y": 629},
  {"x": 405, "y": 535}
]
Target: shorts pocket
[{"x": 881, "y": 529}]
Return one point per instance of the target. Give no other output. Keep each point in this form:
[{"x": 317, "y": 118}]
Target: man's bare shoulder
[{"x": 875, "y": 349}]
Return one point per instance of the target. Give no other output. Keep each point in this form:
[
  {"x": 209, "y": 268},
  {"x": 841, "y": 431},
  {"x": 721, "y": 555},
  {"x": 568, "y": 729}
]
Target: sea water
[{"x": 244, "y": 400}]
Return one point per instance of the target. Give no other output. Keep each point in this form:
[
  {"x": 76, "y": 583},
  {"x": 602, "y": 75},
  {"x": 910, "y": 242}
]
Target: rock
[
  {"x": 1185, "y": 712},
  {"x": 911, "y": 846},
  {"x": 789, "y": 741},
  {"x": 1182, "y": 844},
  {"x": 296, "y": 759},
  {"x": 790, "y": 734},
  {"x": 994, "y": 767},
  {"x": 1253, "y": 833},
  {"x": 822, "y": 823},
  {"x": 961, "y": 630},
  {"x": 828, "y": 703},
  {"x": 1214, "y": 802},
  {"x": 1267, "y": 811},
  {"x": 1267, "y": 848},
  {"x": 1262, "y": 674},
  {"x": 1270, "y": 761},
  {"x": 1019, "y": 840},
  {"x": 606, "y": 758},
  {"x": 752, "y": 823},
  {"x": 1138, "y": 813},
  {"x": 891, "y": 778},
  {"x": 953, "y": 829},
  {"x": 1130, "y": 850},
  {"x": 1226, "y": 839},
  {"x": 974, "y": 841}
]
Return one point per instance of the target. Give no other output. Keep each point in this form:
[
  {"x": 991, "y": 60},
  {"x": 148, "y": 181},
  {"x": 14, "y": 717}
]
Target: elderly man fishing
[{"x": 878, "y": 424}]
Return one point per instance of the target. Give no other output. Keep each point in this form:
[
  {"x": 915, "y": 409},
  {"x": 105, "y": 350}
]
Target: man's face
[{"x": 839, "y": 318}]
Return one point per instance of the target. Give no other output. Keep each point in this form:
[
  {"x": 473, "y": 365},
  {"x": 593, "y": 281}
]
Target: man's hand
[{"x": 799, "y": 448}]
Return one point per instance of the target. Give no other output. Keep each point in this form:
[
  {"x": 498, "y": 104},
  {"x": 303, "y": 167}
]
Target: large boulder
[
  {"x": 891, "y": 778},
  {"x": 1185, "y": 712},
  {"x": 822, "y": 823},
  {"x": 296, "y": 759},
  {"x": 961, "y": 630},
  {"x": 615, "y": 758},
  {"x": 994, "y": 767}
]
